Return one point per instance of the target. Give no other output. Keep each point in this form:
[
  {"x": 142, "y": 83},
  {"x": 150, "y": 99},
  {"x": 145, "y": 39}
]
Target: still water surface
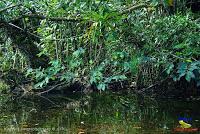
[{"x": 108, "y": 113}]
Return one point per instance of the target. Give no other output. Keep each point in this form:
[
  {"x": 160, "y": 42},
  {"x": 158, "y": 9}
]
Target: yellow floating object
[{"x": 184, "y": 124}]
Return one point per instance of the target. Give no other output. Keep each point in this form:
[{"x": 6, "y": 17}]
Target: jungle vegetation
[{"x": 99, "y": 45}]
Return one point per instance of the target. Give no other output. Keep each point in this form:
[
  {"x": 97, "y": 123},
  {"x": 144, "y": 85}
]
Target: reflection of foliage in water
[{"x": 97, "y": 113}]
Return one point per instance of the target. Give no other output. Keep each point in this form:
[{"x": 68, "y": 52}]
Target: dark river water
[{"x": 107, "y": 113}]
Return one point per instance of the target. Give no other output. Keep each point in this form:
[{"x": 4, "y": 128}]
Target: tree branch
[{"x": 71, "y": 19}]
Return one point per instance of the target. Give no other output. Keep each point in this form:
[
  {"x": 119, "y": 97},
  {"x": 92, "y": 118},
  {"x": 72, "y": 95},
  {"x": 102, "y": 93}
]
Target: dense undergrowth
[{"x": 99, "y": 42}]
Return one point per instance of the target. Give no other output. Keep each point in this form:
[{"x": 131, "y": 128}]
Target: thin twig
[{"x": 25, "y": 91}]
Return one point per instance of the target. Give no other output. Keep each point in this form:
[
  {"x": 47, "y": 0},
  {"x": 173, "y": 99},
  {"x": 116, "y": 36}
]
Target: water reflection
[{"x": 97, "y": 113}]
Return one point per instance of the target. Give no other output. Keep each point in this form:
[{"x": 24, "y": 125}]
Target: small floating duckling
[{"x": 184, "y": 124}]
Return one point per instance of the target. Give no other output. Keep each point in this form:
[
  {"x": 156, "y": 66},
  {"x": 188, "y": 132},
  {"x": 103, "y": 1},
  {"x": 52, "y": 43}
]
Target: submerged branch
[
  {"x": 46, "y": 91},
  {"x": 152, "y": 86}
]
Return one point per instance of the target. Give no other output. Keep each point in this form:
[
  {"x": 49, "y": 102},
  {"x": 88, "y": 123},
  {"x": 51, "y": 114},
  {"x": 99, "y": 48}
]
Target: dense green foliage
[{"x": 100, "y": 42}]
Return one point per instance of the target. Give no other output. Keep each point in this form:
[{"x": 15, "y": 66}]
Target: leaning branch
[
  {"x": 26, "y": 31},
  {"x": 76, "y": 19}
]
